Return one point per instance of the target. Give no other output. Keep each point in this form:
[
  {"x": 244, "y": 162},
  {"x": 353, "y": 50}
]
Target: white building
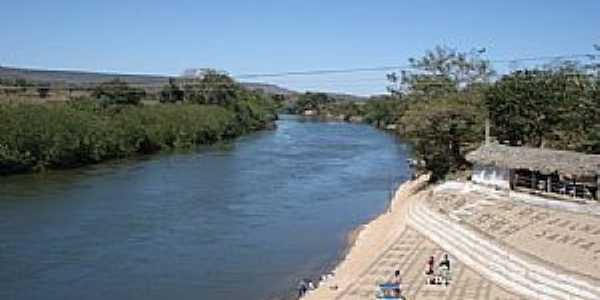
[{"x": 537, "y": 170}]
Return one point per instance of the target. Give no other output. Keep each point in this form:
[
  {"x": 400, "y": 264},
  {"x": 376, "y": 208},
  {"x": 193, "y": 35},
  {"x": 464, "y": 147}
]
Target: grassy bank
[{"x": 37, "y": 137}]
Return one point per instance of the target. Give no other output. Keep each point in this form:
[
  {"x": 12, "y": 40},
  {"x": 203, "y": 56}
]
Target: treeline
[
  {"x": 381, "y": 111},
  {"x": 442, "y": 106},
  {"x": 114, "y": 124}
]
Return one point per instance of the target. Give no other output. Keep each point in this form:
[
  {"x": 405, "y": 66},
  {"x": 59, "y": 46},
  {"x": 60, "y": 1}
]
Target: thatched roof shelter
[{"x": 536, "y": 159}]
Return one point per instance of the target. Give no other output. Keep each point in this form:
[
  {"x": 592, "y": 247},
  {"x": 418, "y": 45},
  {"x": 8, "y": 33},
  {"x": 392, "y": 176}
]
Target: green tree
[
  {"x": 118, "y": 92},
  {"x": 171, "y": 93},
  {"x": 313, "y": 101},
  {"x": 21, "y": 82},
  {"x": 212, "y": 88},
  {"x": 444, "y": 132},
  {"x": 441, "y": 71},
  {"x": 444, "y": 112},
  {"x": 384, "y": 110},
  {"x": 539, "y": 107},
  {"x": 43, "y": 91}
]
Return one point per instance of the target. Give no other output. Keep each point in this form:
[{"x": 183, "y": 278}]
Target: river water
[{"x": 245, "y": 221}]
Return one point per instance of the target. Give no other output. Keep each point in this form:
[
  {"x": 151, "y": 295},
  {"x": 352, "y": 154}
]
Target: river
[{"x": 245, "y": 221}]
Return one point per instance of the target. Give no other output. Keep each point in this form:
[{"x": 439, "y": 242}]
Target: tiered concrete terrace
[
  {"x": 540, "y": 248},
  {"x": 388, "y": 244},
  {"x": 503, "y": 246},
  {"x": 408, "y": 253}
]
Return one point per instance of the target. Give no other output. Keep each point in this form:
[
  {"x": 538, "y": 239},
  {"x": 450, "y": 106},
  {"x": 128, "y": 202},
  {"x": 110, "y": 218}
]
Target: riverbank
[
  {"x": 356, "y": 119},
  {"x": 371, "y": 239},
  {"x": 500, "y": 247},
  {"x": 34, "y": 137},
  {"x": 390, "y": 243}
]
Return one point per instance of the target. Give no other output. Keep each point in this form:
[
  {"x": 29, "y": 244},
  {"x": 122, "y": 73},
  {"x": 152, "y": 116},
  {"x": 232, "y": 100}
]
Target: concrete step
[{"x": 498, "y": 263}]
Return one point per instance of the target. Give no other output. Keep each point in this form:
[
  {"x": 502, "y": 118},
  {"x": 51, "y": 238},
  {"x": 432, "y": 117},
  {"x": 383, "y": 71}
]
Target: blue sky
[{"x": 166, "y": 37}]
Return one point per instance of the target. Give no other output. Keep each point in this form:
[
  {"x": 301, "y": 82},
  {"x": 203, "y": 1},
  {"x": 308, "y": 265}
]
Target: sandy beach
[
  {"x": 387, "y": 244},
  {"x": 373, "y": 237}
]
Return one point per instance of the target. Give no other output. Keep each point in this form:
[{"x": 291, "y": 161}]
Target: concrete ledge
[{"x": 590, "y": 207}]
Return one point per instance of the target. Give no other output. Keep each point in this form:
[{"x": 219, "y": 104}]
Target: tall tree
[
  {"x": 441, "y": 71},
  {"x": 442, "y": 133},
  {"x": 171, "y": 93},
  {"x": 539, "y": 107},
  {"x": 313, "y": 101},
  {"x": 445, "y": 115},
  {"x": 212, "y": 88}
]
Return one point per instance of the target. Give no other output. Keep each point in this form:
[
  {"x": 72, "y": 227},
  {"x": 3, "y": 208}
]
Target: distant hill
[
  {"x": 83, "y": 79},
  {"x": 268, "y": 88},
  {"x": 347, "y": 97},
  {"x": 87, "y": 79}
]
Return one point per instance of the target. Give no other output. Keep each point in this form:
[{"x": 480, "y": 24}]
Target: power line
[
  {"x": 400, "y": 67},
  {"x": 226, "y": 85},
  {"x": 218, "y": 86},
  {"x": 538, "y": 58},
  {"x": 321, "y": 72}
]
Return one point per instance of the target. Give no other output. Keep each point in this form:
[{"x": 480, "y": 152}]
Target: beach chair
[
  {"x": 441, "y": 276},
  {"x": 445, "y": 274},
  {"x": 572, "y": 190},
  {"x": 387, "y": 291},
  {"x": 562, "y": 190}
]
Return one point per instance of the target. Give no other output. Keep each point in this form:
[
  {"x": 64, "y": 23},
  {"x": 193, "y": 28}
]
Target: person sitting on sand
[
  {"x": 311, "y": 285},
  {"x": 302, "y": 289}
]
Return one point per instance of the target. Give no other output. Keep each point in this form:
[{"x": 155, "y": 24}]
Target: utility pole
[{"x": 487, "y": 131}]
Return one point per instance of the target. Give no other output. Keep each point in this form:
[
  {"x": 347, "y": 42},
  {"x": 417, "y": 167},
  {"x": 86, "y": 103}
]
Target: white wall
[{"x": 493, "y": 176}]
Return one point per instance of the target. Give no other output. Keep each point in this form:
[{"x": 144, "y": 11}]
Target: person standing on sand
[
  {"x": 445, "y": 269},
  {"x": 430, "y": 264},
  {"x": 445, "y": 262},
  {"x": 397, "y": 281}
]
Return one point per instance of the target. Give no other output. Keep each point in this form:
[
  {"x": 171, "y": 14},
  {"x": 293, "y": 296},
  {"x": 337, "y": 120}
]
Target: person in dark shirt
[
  {"x": 445, "y": 269},
  {"x": 397, "y": 281},
  {"x": 445, "y": 262},
  {"x": 302, "y": 288}
]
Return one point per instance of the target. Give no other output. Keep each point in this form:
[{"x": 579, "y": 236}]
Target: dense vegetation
[
  {"x": 377, "y": 110},
  {"x": 316, "y": 102},
  {"x": 118, "y": 92},
  {"x": 443, "y": 103},
  {"x": 113, "y": 124},
  {"x": 559, "y": 108}
]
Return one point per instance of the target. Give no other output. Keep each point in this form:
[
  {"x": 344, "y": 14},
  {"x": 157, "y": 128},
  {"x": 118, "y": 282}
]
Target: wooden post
[
  {"x": 549, "y": 184},
  {"x": 533, "y": 180}
]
